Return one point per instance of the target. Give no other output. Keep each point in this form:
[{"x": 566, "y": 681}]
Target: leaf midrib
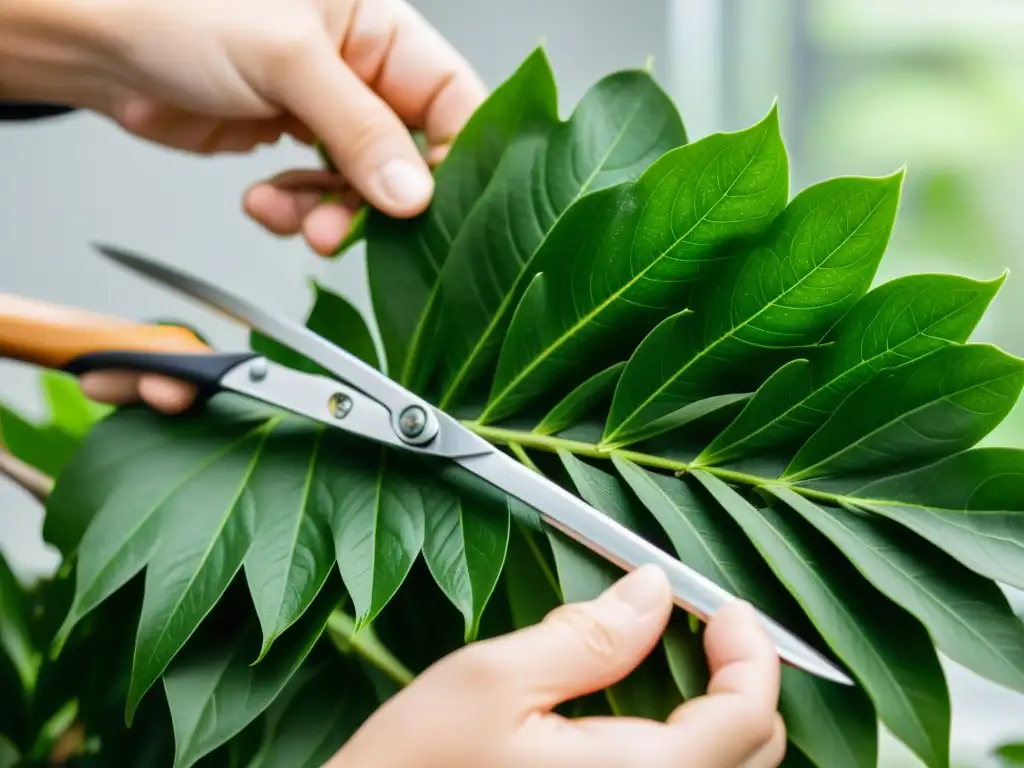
[
  {"x": 849, "y": 372},
  {"x": 629, "y": 284},
  {"x": 981, "y": 637},
  {"x": 507, "y": 299},
  {"x": 669, "y": 381},
  {"x": 804, "y": 473},
  {"x": 303, "y": 512},
  {"x": 841, "y": 606}
]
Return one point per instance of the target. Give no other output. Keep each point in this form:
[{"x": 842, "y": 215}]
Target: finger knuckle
[
  {"x": 761, "y": 724},
  {"x": 597, "y": 638}
]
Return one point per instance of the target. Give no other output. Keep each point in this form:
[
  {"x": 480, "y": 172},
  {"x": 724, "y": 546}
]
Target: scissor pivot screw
[
  {"x": 340, "y": 405},
  {"x": 258, "y": 369},
  {"x": 412, "y": 421}
]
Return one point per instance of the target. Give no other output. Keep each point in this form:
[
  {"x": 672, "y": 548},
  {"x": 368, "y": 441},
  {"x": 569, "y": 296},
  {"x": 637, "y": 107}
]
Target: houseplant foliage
[{"x": 657, "y": 323}]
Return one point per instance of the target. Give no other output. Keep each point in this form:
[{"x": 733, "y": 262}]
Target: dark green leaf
[
  {"x": 969, "y": 504},
  {"x": 317, "y": 713},
  {"x": 625, "y": 257},
  {"x": 592, "y": 393},
  {"x": 967, "y": 615},
  {"x": 464, "y": 547},
  {"x": 530, "y": 582},
  {"x": 620, "y": 126},
  {"x": 931, "y": 407},
  {"x": 404, "y": 257},
  {"x": 44, "y": 447},
  {"x": 886, "y": 649},
  {"x": 898, "y": 321},
  {"x": 684, "y": 652},
  {"x": 817, "y": 259},
  {"x": 16, "y": 642},
  {"x": 710, "y": 542},
  {"x": 331, "y": 317},
  {"x": 214, "y": 689}
]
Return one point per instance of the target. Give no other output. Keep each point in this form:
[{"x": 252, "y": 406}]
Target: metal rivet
[
  {"x": 412, "y": 421},
  {"x": 339, "y": 405},
  {"x": 258, "y": 369}
]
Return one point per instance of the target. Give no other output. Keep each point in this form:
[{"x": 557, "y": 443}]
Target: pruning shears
[{"x": 363, "y": 402}]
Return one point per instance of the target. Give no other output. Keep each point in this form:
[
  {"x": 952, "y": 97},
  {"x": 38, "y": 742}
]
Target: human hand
[
  {"x": 491, "y": 702},
  {"x": 228, "y": 75}
]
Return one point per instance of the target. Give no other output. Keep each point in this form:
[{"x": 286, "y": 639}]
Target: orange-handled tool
[{"x": 62, "y": 338}]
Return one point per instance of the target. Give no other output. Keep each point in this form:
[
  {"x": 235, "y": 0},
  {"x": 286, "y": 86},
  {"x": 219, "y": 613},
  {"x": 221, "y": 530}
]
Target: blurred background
[{"x": 864, "y": 87}]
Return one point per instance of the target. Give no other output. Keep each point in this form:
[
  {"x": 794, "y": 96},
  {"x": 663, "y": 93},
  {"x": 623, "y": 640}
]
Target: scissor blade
[
  {"x": 350, "y": 369},
  {"x": 617, "y": 544}
]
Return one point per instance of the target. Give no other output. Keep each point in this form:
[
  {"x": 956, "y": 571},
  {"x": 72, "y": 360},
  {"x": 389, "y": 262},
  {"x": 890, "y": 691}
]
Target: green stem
[
  {"x": 518, "y": 441},
  {"x": 366, "y": 645}
]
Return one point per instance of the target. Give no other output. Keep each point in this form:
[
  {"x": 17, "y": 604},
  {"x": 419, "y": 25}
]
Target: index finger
[
  {"x": 418, "y": 73},
  {"x": 737, "y": 715}
]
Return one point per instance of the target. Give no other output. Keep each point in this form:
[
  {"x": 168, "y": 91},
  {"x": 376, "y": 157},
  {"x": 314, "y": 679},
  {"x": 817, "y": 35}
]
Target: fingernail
[
  {"x": 405, "y": 184},
  {"x": 642, "y": 590}
]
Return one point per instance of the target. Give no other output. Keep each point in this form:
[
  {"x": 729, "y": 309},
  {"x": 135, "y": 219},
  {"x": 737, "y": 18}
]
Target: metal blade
[
  {"x": 617, "y": 544},
  {"x": 450, "y": 442}
]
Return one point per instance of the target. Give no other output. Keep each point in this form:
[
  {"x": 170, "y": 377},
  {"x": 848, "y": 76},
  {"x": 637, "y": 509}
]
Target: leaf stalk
[{"x": 36, "y": 483}]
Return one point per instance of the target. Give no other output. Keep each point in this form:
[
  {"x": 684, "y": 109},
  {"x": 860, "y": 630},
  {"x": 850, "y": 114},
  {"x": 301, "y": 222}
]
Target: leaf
[
  {"x": 622, "y": 124},
  {"x": 816, "y": 260},
  {"x": 71, "y": 412},
  {"x": 194, "y": 560},
  {"x": 968, "y": 616},
  {"x": 464, "y": 546},
  {"x": 530, "y": 582},
  {"x": 404, "y": 257},
  {"x": 214, "y": 689},
  {"x": 379, "y": 517},
  {"x": 331, "y": 317},
  {"x": 886, "y": 649},
  {"x": 898, "y": 321},
  {"x": 1010, "y": 754},
  {"x": 627, "y": 256},
  {"x": 321, "y": 708},
  {"x": 16, "y": 642},
  {"x": 931, "y": 407},
  {"x": 40, "y": 446},
  {"x": 714, "y": 546},
  {"x": 591, "y": 394},
  {"x": 968, "y": 504}
]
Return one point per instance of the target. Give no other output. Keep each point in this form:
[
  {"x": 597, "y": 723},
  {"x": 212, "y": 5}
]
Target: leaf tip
[{"x": 649, "y": 63}]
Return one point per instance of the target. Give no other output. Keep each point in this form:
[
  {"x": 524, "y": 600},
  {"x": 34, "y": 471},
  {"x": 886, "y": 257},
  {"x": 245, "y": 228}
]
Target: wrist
[{"x": 54, "y": 51}]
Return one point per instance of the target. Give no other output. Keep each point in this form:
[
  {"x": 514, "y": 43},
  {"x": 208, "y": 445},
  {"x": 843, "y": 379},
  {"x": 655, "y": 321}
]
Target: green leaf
[
  {"x": 315, "y": 715},
  {"x": 46, "y": 448},
  {"x": 214, "y": 689},
  {"x": 331, "y": 317},
  {"x": 380, "y": 508},
  {"x": 968, "y": 504},
  {"x": 1010, "y": 754},
  {"x": 530, "y": 582},
  {"x": 901, "y": 320},
  {"x": 886, "y": 649},
  {"x": 194, "y": 560},
  {"x": 16, "y": 642},
  {"x": 931, "y": 407},
  {"x": 817, "y": 259},
  {"x": 404, "y": 257},
  {"x": 464, "y": 546},
  {"x": 591, "y": 394},
  {"x": 968, "y": 616},
  {"x": 711, "y": 543},
  {"x": 71, "y": 411},
  {"x": 628, "y": 255},
  {"x": 620, "y": 126}
]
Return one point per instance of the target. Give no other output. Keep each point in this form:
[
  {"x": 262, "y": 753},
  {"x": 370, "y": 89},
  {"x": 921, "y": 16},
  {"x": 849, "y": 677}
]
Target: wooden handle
[{"x": 50, "y": 335}]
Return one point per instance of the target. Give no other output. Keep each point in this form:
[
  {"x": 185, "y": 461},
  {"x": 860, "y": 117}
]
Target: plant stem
[
  {"x": 518, "y": 441},
  {"x": 38, "y": 484},
  {"x": 366, "y": 644}
]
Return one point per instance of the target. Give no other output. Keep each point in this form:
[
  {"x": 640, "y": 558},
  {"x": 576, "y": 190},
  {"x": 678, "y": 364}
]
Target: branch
[{"x": 25, "y": 475}]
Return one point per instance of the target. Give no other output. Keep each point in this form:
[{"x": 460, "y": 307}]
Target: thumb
[
  {"x": 364, "y": 137},
  {"x": 583, "y": 647}
]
